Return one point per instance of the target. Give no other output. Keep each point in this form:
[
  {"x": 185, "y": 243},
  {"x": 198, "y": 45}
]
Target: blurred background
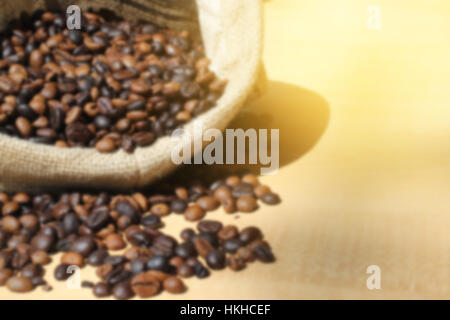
[{"x": 360, "y": 92}]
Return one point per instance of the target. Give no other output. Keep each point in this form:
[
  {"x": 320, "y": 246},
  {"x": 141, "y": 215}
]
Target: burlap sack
[{"x": 232, "y": 34}]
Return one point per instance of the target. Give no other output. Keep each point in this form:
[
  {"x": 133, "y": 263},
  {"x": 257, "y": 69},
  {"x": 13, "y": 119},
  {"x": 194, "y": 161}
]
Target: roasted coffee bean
[
  {"x": 209, "y": 226},
  {"x": 246, "y": 204},
  {"x": 123, "y": 291},
  {"x": 200, "y": 271},
  {"x": 62, "y": 272},
  {"x": 19, "y": 284},
  {"x": 160, "y": 209},
  {"x": 261, "y": 190},
  {"x": 174, "y": 285},
  {"x": 117, "y": 275},
  {"x": 40, "y": 257},
  {"x": 42, "y": 242},
  {"x": 158, "y": 263},
  {"x": 243, "y": 189},
  {"x": 5, "y": 274},
  {"x": 185, "y": 250},
  {"x": 72, "y": 258},
  {"x": 97, "y": 257},
  {"x": 216, "y": 259},
  {"x": 138, "y": 265},
  {"x": 270, "y": 198},
  {"x": 250, "y": 234},
  {"x": 202, "y": 246},
  {"x": 222, "y": 193},
  {"x": 115, "y": 242},
  {"x": 187, "y": 234},
  {"x": 194, "y": 213},
  {"x": 101, "y": 290},
  {"x": 105, "y": 145},
  {"x": 263, "y": 253},
  {"x": 145, "y": 285},
  {"x": 115, "y": 260},
  {"x": 178, "y": 205},
  {"x": 232, "y": 245},
  {"x": 98, "y": 218},
  {"x": 84, "y": 245},
  {"x": 151, "y": 220},
  {"x": 210, "y": 237},
  {"x": 185, "y": 271},
  {"x": 235, "y": 263},
  {"x": 32, "y": 270},
  {"x": 207, "y": 203},
  {"x": 227, "y": 232}
]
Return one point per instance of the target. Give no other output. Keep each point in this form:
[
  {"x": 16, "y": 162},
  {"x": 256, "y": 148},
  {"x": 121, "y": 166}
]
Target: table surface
[{"x": 363, "y": 115}]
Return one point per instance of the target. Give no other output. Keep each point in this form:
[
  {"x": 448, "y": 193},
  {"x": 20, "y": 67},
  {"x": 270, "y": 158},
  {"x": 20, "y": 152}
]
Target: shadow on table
[{"x": 301, "y": 116}]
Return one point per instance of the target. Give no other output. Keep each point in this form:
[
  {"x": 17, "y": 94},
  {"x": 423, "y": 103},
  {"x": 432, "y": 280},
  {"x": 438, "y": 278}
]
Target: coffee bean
[
  {"x": 5, "y": 274},
  {"x": 242, "y": 189},
  {"x": 97, "y": 257},
  {"x": 185, "y": 271},
  {"x": 246, "y": 204},
  {"x": 222, "y": 193},
  {"x": 23, "y": 126},
  {"x": 187, "y": 234},
  {"x": 194, "y": 213},
  {"x": 32, "y": 270},
  {"x": 250, "y": 234},
  {"x": 151, "y": 220},
  {"x": 160, "y": 209},
  {"x": 235, "y": 263},
  {"x": 270, "y": 198},
  {"x": 123, "y": 291},
  {"x": 98, "y": 219},
  {"x": 216, "y": 259},
  {"x": 143, "y": 138},
  {"x": 185, "y": 250},
  {"x": 209, "y": 226},
  {"x": 42, "y": 242},
  {"x": 40, "y": 257},
  {"x": 84, "y": 245},
  {"x": 261, "y": 190},
  {"x": 115, "y": 242},
  {"x": 138, "y": 265},
  {"x": 101, "y": 290},
  {"x": 232, "y": 245},
  {"x": 158, "y": 263},
  {"x": 200, "y": 271},
  {"x": 202, "y": 246},
  {"x": 19, "y": 284},
  {"x": 207, "y": 203},
  {"x": 263, "y": 253},
  {"x": 145, "y": 285},
  {"x": 178, "y": 205},
  {"x": 62, "y": 272},
  {"x": 72, "y": 258},
  {"x": 10, "y": 208},
  {"x": 228, "y": 232},
  {"x": 105, "y": 145},
  {"x": 10, "y": 224},
  {"x": 174, "y": 285}
]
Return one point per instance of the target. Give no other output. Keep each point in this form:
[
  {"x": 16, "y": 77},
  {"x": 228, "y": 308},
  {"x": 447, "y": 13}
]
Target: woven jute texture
[{"x": 232, "y": 34}]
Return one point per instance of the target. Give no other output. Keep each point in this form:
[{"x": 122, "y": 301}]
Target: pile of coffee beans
[
  {"x": 89, "y": 228},
  {"x": 112, "y": 84}
]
